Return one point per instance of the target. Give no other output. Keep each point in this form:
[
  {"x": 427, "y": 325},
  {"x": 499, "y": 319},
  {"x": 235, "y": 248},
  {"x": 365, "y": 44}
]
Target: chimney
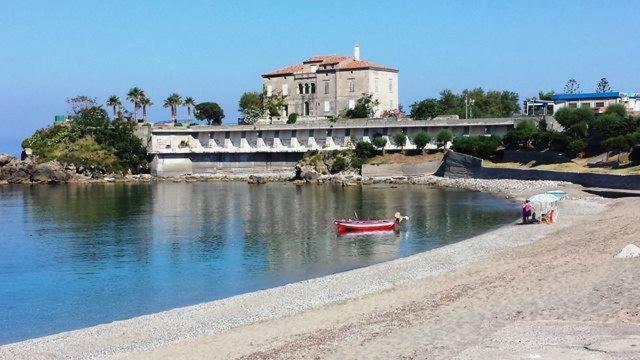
[{"x": 356, "y": 52}]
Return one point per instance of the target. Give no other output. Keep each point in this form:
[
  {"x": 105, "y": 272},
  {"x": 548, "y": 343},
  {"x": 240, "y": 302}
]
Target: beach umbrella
[
  {"x": 545, "y": 198},
  {"x": 560, "y": 194}
]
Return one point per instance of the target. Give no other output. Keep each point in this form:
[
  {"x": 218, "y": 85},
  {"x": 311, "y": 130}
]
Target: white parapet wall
[{"x": 172, "y": 146}]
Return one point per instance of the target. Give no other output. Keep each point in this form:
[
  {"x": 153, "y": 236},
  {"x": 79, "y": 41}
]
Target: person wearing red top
[{"x": 527, "y": 209}]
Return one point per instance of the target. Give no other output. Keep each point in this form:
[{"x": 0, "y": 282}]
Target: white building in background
[
  {"x": 598, "y": 101},
  {"x": 325, "y": 85}
]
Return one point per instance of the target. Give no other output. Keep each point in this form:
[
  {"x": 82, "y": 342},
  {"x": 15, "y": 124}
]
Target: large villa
[{"x": 324, "y": 85}]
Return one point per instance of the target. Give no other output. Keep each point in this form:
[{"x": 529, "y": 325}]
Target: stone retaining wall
[
  {"x": 166, "y": 165},
  {"x": 457, "y": 165},
  {"x": 385, "y": 170}
]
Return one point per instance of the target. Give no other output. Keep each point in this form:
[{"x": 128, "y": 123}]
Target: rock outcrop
[
  {"x": 51, "y": 172},
  {"x": 5, "y": 159},
  {"x": 17, "y": 171}
]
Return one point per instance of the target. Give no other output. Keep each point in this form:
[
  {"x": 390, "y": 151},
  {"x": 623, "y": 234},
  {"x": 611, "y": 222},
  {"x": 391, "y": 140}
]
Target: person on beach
[{"x": 527, "y": 210}]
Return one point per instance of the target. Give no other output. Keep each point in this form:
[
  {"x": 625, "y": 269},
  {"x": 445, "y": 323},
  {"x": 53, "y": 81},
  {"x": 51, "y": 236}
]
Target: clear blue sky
[{"x": 214, "y": 51}]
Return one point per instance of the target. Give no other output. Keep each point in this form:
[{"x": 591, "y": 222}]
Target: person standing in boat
[{"x": 527, "y": 210}]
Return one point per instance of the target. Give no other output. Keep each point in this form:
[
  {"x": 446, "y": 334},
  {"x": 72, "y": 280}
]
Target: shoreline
[
  {"x": 499, "y": 187},
  {"x": 157, "y": 330}
]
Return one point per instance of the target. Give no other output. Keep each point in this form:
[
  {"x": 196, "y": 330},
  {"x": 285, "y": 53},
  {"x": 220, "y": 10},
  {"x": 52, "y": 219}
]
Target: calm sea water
[{"x": 78, "y": 255}]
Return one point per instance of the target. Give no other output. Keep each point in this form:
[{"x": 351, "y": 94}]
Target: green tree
[
  {"x": 425, "y": 109},
  {"x": 134, "y": 95},
  {"x": 617, "y": 109},
  {"x": 451, "y": 104},
  {"x": 114, "y": 102},
  {"x": 603, "y": 86},
  {"x": 211, "y": 112},
  {"x": 379, "y": 142},
  {"x": 80, "y": 103},
  {"x": 572, "y": 86},
  {"x": 545, "y": 95},
  {"x": 444, "y": 136},
  {"x": 172, "y": 102},
  {"x": 145, "y": 103},
  {"x": 363, "y": 107},
  {"x": 189, "y": 103},
  {"x": 568, "y": 117},
  {"x": 292, "y": 118},
  {"x": 421, "y": 139},
  {"x": 577, "y": 146},
  {"x": 521, "y": 136},
  {"x": 251, "y": 107},
  {"x": 400, "y": 139},
  {"x": 478, "y": 146},
  {"x": 618, "y": 143},
  {"x": 273, "y": 103}
]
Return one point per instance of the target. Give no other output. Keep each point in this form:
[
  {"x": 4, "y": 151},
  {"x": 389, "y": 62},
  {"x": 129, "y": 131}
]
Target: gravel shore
[{"x": 172, "y": 329}]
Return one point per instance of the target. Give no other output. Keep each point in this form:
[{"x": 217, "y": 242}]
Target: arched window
[
  {"x": 299, "y": 88},
  {"x": 306, "y": 108},
  {"x": 306, "y": 88},
  {"x": 313, "y": 88}
]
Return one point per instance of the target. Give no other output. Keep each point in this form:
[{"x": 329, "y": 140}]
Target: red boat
[{"x": 349, "y": 225}]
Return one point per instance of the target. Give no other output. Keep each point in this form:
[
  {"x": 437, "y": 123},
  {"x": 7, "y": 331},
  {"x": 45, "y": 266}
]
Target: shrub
[
  {"x": 577, "y": 146},
  {"x": 357, "y": 162},
  {"x": 293, "y": 117},
  {"x": 559, "y": 141},
  {"x": 338, "y": 165},
  {"x": 444, "y": 136},
  {"x": 479, "y": 146},
  {"x": 578, "y": 130},
  {"x": 618, "y": 143},
  {"x": 522, "y": 136},
  {"x": 422, "y": 139},
  {"x": 400, "y": 139},
  {"x": 364, "y": 149},
  {"x": 379, "y": 142},
  {"x": 617, "y": 109},
  {"x": 568, "y": 117}
]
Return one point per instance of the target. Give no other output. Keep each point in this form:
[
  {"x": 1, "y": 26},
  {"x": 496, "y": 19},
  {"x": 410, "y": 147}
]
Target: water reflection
[{"x": 78, "y": 255}]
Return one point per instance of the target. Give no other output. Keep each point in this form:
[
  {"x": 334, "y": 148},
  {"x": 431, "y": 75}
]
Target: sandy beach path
[{"x": 567, "y": 280}]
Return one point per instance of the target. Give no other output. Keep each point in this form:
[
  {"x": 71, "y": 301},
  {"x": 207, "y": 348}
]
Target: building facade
[
  {"x": 325, "y": 85},
  {"x": 598, "y": 101}
]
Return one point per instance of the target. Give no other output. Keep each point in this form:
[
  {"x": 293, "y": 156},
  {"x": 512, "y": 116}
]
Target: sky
[{"x": 215, "y": 50}]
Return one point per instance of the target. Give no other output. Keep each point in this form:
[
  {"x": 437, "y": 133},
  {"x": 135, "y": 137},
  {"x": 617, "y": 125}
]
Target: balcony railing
[{"x": 304, "y": 76}]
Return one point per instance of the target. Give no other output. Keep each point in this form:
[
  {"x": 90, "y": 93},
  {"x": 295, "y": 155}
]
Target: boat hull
[{"x": 344, "y": 226}]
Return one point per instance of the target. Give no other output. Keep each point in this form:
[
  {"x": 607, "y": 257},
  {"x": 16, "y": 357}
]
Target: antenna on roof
[{"x": 356, "y": 52}]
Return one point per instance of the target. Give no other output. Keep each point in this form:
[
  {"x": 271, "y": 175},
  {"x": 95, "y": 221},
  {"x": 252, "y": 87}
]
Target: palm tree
[
  {"x": 189, "y": 103},
  {"x": 173, "y": 101},
  {"x": 145, "y": 102},
  {"x": 134, "y": 95},
  {"x": 114, "y": 102}
]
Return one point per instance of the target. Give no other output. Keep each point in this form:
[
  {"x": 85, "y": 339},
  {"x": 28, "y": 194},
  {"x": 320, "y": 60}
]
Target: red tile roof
[{"x": 342, "y": 62}]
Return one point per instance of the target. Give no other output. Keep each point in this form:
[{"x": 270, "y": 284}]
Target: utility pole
[{"x": 468, "y": 109}]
